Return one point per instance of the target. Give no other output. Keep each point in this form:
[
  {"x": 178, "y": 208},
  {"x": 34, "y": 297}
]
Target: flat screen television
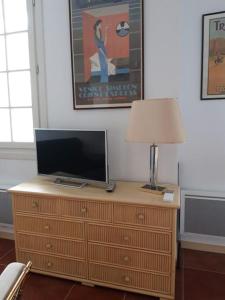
[{"x": 73, "y": 155}]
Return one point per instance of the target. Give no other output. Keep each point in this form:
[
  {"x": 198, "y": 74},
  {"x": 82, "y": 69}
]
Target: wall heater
[
  {"x": 202, "y": 217},
  {"x": 5, "y": 212}
]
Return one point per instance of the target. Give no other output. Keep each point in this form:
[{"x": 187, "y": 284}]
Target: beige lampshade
[{"x": 155, "y": 121}]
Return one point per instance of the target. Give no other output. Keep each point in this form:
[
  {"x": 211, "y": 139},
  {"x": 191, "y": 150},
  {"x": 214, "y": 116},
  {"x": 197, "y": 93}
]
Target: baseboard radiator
[
  {"x": 202, "y": 217},
  {"x": 6, "y": 227}
]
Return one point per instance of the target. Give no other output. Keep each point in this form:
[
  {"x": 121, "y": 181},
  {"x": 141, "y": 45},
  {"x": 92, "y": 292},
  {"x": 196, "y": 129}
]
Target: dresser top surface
[{"x": 125, "y": 192}]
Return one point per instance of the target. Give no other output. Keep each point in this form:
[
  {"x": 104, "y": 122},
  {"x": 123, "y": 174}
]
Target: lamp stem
[{"x": 154, "y": 153}]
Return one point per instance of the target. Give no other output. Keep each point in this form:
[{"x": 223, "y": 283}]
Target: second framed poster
[
  {"x": 107, "y": 52},
  {"x": 213, "y": 56}
]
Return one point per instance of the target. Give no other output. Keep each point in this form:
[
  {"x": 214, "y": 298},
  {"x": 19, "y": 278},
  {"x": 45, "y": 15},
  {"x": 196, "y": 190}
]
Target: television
[{"x": 73, "y": 155}]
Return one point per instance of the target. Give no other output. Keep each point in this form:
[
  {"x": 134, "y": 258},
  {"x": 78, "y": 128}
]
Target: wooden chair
[{"x": 12, "y": 279}]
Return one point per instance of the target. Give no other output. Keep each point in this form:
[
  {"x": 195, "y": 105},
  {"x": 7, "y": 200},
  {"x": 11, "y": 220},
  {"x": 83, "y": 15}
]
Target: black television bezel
[{"x": 75, "y": 179}]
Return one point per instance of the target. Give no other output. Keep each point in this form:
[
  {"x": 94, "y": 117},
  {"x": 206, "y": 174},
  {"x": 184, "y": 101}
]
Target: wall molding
[
  {"x": 38, "y": 16},
  {"x": 202, "y": 247},
  {"x": 203, "y": 239},
  {"x": 18, "y": 154}
]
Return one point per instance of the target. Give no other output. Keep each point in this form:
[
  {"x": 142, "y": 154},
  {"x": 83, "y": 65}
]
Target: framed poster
[
  {"x": 107, "y": 52},
  {"x": 213, "y": 56}
]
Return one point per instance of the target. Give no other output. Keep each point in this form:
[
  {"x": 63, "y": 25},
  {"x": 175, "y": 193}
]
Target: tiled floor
[{"x": 201, "y": 277}]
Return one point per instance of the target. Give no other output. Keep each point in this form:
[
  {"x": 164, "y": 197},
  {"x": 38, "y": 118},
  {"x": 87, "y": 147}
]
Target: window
[{"x": 16, "y": 75}]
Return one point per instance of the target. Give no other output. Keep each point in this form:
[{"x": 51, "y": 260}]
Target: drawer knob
[
  {"x": 141, "y": 217},
  {"x": 126, "y": 238},
  {"x": 127, "y": 279},
  {"x": 46, "y": 227},
  {"x": 34, "y": 204},
  {"x": 126, "y": 258},
  {"x": 48, "y": 246},
  {"x": 49, "y": 264},
  {"x": 84, "y": 210}
]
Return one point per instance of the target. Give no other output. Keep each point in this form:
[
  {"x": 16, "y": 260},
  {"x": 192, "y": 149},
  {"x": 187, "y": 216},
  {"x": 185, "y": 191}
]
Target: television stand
[
  {"x": 110, "y": 187},
  {"x": 67, "y": 183}
]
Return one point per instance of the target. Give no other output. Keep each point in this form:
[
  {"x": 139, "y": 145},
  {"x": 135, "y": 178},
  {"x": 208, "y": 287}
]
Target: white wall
[
  {"x": 172, "y": 69},
  {"x": 127, "y": 161},
  {"x": 13, "y": 172},
  {"x": 203, "y": 156}
]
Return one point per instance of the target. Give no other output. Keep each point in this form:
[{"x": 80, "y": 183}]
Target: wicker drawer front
[
  {"x": 133, "y": 279},
  {"x": 90, "y": 210},
  {"x": 50, "y": 227},
  {"x": 53, "y": 264},
  {"x": 129, "y": 258},
  {"x": 35, "y": 204},
  {"x": 149, "y": 240},
  {"x": 76, "y": 249},
  {"x": 144, "y": 216}
]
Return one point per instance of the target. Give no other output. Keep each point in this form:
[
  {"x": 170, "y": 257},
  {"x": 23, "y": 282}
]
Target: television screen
[{"x": 77, "y": 154}]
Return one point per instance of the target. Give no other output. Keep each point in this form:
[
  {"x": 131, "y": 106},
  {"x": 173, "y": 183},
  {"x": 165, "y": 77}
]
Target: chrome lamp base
[
  {"x": 154, "y": 189},
  {"x": 152, "y": 186}
]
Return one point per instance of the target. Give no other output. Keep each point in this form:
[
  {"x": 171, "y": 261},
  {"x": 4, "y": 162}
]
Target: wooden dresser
[{"x": 124, "y": 240}]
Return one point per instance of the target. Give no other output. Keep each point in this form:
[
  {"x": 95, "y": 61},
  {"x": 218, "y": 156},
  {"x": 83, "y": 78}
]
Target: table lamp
[{"x": 155, "y": 121}]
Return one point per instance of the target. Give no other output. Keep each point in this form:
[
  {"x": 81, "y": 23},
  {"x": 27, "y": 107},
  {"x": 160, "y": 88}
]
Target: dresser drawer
[
  {"x": 35, "y": 204},
  {"x": 52, "y": 264},
  {"x": 150, "y": 240},
  {"x": 143, "y": 216},
  {"x": 49, "y": 227},
  {"x": 90, "y": 210},
  {"x": 76, "y": 249},
  {"x": 129, "y": 258},
  {"x": 133, "y": 279}
]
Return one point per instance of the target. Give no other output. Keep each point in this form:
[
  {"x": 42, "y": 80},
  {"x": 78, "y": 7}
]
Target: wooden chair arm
[{"x": 19, "y": 281}]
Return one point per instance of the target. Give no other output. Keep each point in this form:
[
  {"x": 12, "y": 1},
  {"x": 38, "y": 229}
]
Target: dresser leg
[{"x": 88, "y": 284}]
